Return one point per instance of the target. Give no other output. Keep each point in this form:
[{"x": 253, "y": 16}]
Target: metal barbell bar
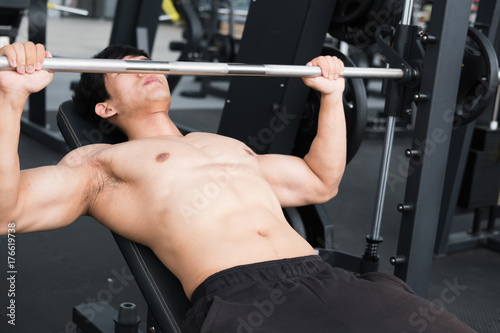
[{"x": 73, "y": 65}]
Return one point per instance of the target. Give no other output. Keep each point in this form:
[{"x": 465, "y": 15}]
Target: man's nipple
[{"x": 162, "y": 157}]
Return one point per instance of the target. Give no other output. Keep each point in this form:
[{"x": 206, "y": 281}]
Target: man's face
[{"x": 131, "y": 93}]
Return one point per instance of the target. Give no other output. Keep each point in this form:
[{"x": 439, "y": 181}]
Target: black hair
[{"x": 91, "y": 89}]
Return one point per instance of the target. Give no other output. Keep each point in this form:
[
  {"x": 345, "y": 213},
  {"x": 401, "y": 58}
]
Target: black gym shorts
[{"x": 306, "y": 294}]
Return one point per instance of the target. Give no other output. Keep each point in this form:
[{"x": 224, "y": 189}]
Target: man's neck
[{"x": 157, "y": 124}]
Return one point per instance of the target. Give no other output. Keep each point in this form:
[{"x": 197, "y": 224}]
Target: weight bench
[{"x": 161, "y": 289}]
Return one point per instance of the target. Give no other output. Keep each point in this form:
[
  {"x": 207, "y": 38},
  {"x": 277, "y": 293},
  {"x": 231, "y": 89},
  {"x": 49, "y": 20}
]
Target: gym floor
[{"x": 81, "y": 263}]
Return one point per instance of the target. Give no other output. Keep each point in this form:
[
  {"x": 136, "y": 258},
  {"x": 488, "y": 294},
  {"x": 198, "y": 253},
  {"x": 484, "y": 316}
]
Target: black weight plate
[
  {"x": 355, "y": 111},
  {"x": 348, "y": 11},
  {"x": 478, "y": 78},
  {"x": 221, "y": 48},
  {"x": 360, "y": 24}
]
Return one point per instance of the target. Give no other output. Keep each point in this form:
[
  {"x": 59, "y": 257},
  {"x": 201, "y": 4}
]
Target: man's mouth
[{"x": 150, "y": 79}]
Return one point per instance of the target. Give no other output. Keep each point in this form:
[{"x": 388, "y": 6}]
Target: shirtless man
[{"x": 146, "y": 190}]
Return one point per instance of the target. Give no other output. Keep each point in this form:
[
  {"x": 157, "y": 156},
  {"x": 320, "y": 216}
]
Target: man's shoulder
[{"x": 84, "y": 154}]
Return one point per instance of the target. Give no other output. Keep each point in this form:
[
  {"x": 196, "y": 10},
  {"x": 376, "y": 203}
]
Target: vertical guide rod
[
  {"x": 407, "y": 13},
  {"x": 494, "y": 118},
  {"x": 382, "y": 181},
  {"x": 388, "y": 143}
]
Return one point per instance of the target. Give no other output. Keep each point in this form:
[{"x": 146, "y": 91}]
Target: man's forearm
[
  {"x": 11, "y": 110},
  {"x": 327, "y": 154}
]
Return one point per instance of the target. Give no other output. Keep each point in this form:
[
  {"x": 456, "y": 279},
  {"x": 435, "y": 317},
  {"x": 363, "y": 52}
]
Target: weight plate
[
  {"x": 361, "y": 19},
  {"x": 355, "y": 110},
  {"x": 349, "y": 11},
  {"x": 478, "y": 78}
]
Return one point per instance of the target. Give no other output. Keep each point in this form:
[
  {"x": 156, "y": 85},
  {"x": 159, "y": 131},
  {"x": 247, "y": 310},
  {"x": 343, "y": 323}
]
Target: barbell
[
  {"x": 73, "y": 65},
  {"x": 470, "y": 102}
]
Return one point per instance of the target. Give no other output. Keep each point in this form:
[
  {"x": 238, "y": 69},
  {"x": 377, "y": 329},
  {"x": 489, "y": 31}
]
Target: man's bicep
[
  {"x": 292, "y": 180},
  {"x": 51, "y": 197}
]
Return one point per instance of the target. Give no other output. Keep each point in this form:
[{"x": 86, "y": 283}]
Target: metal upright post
[
  {"x": 457, "y": 159},
  {"x": 135, "y": 23},
  {"x": 431, "y": 142},
  {"x": 488, "y": 19},
  {"x": 371, "y": 257}
]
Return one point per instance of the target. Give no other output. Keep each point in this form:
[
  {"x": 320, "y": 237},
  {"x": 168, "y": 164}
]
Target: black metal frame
[
  {"x": 425, "y": 182},
  {"x": 11, "y": 14},
  {"x": 135, "y": 23},
  {"x": 488, "y": 20}
]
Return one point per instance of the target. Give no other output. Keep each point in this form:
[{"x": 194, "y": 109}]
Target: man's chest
[{"x": 173, "y": 156}]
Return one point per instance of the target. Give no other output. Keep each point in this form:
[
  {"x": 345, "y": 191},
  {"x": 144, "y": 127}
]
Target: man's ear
[{"x": 104, "y": 110}]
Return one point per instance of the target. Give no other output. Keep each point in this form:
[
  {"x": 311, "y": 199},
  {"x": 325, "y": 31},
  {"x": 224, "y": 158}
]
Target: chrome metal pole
[
  {"x": 199, "y": 68},
  {"x": 494, "y": 118},
  {"x": 373, "y": 239},
  {"x": 407, "y": 13},
  {"x": 384, "y": 172}
]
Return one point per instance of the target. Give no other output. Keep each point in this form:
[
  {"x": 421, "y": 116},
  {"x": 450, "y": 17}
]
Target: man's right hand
[{"x": 28, "y": 77}]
